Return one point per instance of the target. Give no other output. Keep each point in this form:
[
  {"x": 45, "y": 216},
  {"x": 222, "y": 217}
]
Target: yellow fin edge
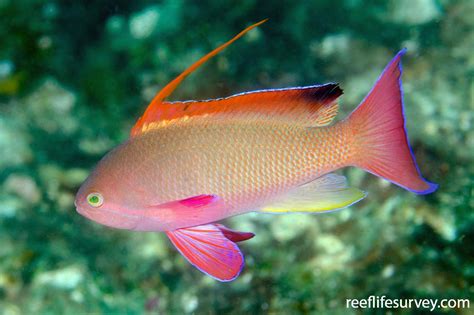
[{"x": 350, "y": 196}]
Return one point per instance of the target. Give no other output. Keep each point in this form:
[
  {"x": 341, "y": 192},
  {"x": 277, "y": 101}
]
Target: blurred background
[{"x": 75, "y": 76}]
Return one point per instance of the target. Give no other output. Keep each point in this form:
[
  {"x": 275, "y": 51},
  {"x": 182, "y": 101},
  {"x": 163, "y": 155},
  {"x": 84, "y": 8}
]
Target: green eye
[{"x": 95, "y": 199}]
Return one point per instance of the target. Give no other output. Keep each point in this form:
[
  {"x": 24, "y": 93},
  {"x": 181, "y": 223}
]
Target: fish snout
[{"x": 81, "y": 205}]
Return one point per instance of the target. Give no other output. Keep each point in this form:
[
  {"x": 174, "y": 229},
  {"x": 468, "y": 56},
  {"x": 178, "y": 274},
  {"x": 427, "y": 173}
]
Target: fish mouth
[
  {"x": 108, "y": 217},
  {"x": 78, "y": 207},
  {"x": 82, "y": 211}
]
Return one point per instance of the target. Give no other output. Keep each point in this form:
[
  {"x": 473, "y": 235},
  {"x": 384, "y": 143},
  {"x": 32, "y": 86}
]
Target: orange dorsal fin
[
  {"x": 170, "y": 87},
  {"x": 314, "y": 106}
]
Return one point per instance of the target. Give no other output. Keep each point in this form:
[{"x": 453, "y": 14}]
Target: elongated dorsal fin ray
[
  {"x": 170, "y": 87},
  {"x": 312, "y": 106}
]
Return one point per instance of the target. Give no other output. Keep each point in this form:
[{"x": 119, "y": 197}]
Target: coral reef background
[{"x": 75, "y": 75}]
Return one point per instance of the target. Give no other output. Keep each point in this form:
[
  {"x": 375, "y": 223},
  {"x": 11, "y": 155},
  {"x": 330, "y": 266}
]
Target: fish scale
[{"x": 246, "y": 164}]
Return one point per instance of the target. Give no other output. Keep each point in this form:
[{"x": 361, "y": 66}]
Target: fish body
[
  {"x": 246, "y": 164},
  {"x": 190, "y": 164}
]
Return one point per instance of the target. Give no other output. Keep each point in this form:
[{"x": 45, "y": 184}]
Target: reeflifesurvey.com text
[{"x": 384, "y": 302}]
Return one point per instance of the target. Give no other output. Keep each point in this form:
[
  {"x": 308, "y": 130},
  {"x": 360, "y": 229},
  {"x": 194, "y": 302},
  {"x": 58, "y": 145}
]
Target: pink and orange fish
[{"x": 190, "y": 164}]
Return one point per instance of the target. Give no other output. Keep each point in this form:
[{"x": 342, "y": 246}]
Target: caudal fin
[{"x": 381, "y": 143}]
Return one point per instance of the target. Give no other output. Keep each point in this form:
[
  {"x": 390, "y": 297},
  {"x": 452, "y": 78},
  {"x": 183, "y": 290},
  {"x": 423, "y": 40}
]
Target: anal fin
[{"x": 327, "y": 193}]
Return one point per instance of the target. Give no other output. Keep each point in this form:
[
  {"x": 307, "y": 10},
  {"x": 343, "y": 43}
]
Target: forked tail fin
[{"x": 380, "y": 138}]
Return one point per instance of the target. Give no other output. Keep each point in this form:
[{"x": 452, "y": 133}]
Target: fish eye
[{"x": 95, "y": 200}]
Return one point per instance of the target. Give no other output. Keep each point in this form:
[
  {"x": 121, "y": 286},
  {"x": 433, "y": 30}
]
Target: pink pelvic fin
[
  {"x": 209, "y": 250},
  {"x": 234, "y": 236}
]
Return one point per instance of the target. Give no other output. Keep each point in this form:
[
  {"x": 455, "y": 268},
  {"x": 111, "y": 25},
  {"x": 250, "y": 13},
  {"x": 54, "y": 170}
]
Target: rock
[
  {"x": 441, "y": 222},
  {"x": 143, "y": 23},
  {"x": 334, "y": 44},
  {"x": 65, "y": 201},
  {"x": 189, "y": 302},
  {"x": 160, "y": 19},
  {"x": 115, "y": 24},
  {"x": 6, "y": 68},
  {"x": 414, "y": 11},
  {"x": 151, "y": 246},
  {"x": 66, "y": 278},
  {"x": 11, "y": 309},
  {"x": 96, "y": 146},
  {"x": 50, "y": 176},
  {"x": 74, "y": 177},
  {"x": 9, "y": 206},
  {"x": 50, "y": 106},
  {"x": 23, "y": 186},
  {"x": 388, "y": 271},
  {"x": 333, "y": 254},
  {"x": 14, "y": 144},
  {"x": 287, "y": 227}
]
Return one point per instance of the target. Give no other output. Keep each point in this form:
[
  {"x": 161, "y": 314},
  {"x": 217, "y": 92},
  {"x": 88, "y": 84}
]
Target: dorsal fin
[
  {"x": 308, "y": 106},
  {"x": 170, "y": 87}
]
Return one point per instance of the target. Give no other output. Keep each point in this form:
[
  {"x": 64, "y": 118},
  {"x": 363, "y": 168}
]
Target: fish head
[{"x": 106, "y": 198}]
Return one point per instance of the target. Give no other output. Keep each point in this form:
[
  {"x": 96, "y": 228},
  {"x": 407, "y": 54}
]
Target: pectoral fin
[
  {"x": 327, "y": 193},
  {"x": 211, "y": 249},
  {"x": 198, "y": 201},
  {"x": 192, "y": 211}
]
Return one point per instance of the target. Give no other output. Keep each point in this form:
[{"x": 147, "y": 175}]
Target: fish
[{"x": 189, "y": 164}]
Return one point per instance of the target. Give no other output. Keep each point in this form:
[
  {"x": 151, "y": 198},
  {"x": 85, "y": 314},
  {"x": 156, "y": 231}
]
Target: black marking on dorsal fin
[{"x": 326, "y": 93}]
